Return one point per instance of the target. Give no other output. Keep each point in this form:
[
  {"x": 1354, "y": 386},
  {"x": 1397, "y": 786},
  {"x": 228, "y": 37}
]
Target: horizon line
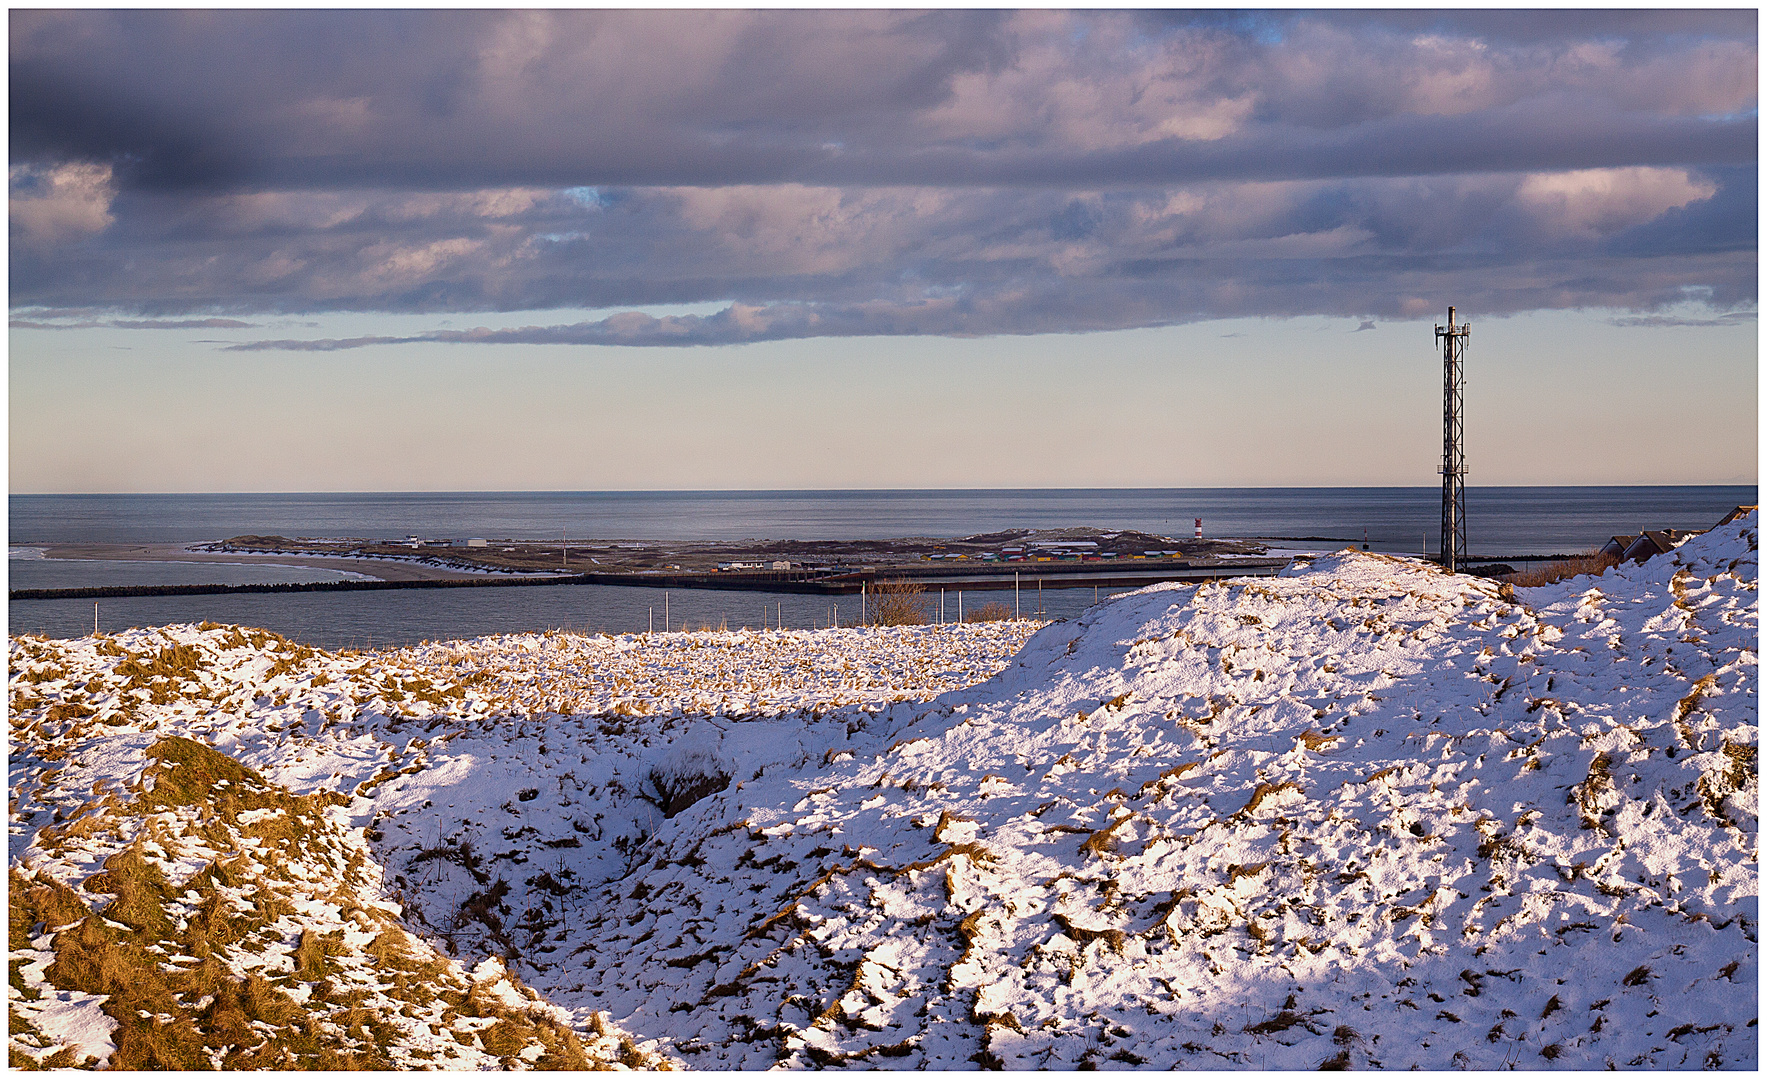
[{"x": 866, "y": 490}]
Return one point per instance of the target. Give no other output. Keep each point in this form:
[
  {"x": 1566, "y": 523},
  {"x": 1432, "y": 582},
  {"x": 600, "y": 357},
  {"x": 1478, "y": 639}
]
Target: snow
[
  {"x": 1365, "y": 814},
  {"x": 66, "y": 1018}
]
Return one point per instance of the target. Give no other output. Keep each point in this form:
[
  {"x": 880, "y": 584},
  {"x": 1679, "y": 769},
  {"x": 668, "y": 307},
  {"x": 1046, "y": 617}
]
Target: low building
[{"x": 1656, "y": 542}]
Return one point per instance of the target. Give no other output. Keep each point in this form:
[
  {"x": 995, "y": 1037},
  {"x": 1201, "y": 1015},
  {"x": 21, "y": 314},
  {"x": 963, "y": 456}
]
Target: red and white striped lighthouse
[{"x": 1199, "y": 528}]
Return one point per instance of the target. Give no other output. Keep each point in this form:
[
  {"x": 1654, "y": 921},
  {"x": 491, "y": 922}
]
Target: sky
[{"x": 605, "y": 250}]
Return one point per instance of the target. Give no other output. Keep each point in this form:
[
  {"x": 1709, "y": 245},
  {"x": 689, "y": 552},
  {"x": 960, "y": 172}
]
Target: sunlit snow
[{"x": 1366, "y": 814}]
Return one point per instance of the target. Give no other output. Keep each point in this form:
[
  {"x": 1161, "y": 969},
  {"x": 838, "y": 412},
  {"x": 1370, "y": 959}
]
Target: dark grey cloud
[
  {"x": 1638, "y": 27},
  {"x": 456, "y": 99},
  {"x": 935, "y": 260},
  {"x": 1486, "y": 286},
  {"x": 846, "y": 172}
]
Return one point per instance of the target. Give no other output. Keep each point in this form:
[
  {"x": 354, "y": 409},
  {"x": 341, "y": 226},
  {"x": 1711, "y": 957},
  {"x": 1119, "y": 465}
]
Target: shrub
[{"x": 895, "y": 603}]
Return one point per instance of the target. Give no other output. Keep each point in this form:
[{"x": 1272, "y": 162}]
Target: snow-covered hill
[
  {"x": 203, "y": 818},
  {"x": 1366, "y": 814}
]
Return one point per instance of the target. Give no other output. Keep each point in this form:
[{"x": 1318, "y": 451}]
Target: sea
[{"x": 1501, "y": 522}]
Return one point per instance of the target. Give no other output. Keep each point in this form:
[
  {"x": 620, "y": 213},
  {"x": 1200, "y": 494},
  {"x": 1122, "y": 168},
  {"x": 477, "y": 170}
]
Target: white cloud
[
  {"x": 1591, "y": 203},
  {"x": 53, "y": 205},
  {"x": 1095, "y": 82}
]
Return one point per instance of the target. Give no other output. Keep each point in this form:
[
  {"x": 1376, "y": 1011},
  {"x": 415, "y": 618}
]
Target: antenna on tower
[{"x": 1453, "y": 339}]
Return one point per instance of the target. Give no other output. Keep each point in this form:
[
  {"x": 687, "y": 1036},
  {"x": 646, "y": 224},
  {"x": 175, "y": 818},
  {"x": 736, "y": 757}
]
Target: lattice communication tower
[{"x": 1453, "y": 340}]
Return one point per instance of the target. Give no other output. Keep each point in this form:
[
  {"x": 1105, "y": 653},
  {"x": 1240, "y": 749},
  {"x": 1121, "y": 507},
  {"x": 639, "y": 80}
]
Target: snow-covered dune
[
  {"x": 1366, "y": 814},
  {"x": 224, "y": 850}
]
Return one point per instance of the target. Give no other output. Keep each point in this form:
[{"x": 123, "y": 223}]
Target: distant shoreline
[{"x": 380, "y": 570}]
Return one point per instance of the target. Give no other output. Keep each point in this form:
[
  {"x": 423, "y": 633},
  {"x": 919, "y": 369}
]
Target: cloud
[
  {"x": 1019, "y": 307},
  {"x": 1367, "y": 324},
  {"x": 132, "y": 324},
  {"x": 49, "y": 205},
  {"x": 736, "y": 324},
  {"x": 1597, "y": 202},
  {"x": 465, "y": 100},
  {"x": 905, "y": 172},
  {"x": 180, "y": 324},
  {"x": 940, "y": 260},
  {"x": 1729, "y": 318}
]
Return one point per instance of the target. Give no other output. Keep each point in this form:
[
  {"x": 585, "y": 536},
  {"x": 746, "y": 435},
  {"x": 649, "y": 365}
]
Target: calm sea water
[
  {"x": 1501, "y": 521},
  {"x": 334, "y": 620}
]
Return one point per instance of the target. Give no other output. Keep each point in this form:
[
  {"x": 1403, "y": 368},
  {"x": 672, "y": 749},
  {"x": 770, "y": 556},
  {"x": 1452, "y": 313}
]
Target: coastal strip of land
[
  {"x": 823, "y": 582},
  {"x": 1077, "y": 557},
  {"x": 384, "y": 569}
]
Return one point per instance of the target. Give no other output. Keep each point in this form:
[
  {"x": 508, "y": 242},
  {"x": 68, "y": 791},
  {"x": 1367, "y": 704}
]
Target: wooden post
[{"x": 1015, "y": 614}]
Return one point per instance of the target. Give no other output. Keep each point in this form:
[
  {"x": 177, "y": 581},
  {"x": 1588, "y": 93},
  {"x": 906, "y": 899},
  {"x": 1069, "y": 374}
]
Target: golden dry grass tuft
[
  {"x": 160, "y": 952},
  {"x": 186, "y": 773},
  {"x": 993, "y": 611},
  {"x": 1590, "y": 563}
]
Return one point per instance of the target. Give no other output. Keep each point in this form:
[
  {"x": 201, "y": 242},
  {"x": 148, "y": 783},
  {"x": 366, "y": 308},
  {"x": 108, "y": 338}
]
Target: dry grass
[
  {"x": 186, "y": 773},
  {"x": 175, "y": 663},
  {"x": 196, "y": 1013},
  {"x": 1262, "y": 792},
  {"x": 1591, "y": 563},
  {"x": 993, "y": 611},
  {"x": 1103, "y": 841}
]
